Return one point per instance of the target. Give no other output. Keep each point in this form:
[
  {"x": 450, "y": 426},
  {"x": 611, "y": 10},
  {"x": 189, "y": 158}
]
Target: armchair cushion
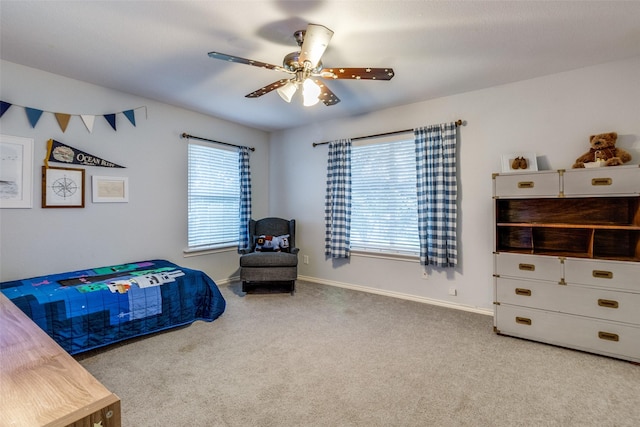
[{"x": 268, "y": 259}]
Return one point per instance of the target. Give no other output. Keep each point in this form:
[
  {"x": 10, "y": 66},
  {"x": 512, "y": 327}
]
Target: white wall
[
  {"x": 552, "y": 116},
  {"x": 153, "y": 224}
]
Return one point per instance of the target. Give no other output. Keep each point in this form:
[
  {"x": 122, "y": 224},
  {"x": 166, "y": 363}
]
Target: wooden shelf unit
[{"x": 590, "y": 227}]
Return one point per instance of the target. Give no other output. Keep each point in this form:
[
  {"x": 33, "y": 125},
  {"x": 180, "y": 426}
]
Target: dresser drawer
[
  {"x": 604, "y": 180},
  {"x": 605, "y": 274},
  {"x": 540, "y": 184},
  {"x": 528, "y": 266},
  {"x": 603, "y": 304},
  {"x": 582, "y": 333}
]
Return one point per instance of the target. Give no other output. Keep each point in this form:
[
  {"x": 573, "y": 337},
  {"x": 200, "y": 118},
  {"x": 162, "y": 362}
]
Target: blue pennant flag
[
  {"x": 33, "y": 115},
  {"x": 4, "y": 106},
  {"x": 129, "y": 114},
  {"x": 111, "y": 118}
]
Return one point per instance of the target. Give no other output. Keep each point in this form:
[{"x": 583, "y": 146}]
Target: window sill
[
  {"x": 385, "y": 255},
  {"x": 209, "y": 250}
]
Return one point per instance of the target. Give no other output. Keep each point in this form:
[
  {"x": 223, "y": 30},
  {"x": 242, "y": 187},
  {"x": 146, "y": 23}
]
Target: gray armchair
[{"x": 273, "y": 255}]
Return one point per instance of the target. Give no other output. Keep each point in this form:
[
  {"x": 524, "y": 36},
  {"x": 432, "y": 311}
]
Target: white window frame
[
  {"x": 221, "y": 182},
  {"x": 391, "y": 246}
]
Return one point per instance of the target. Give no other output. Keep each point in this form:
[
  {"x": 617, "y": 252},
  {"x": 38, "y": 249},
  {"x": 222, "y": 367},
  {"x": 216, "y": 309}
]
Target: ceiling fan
[{"x": 306, "y": 68}]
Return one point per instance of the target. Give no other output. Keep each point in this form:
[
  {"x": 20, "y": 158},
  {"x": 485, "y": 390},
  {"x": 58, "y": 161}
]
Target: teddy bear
[{"x": 603, "y": 148}]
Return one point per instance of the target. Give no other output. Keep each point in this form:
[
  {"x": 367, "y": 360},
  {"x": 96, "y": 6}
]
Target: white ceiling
[{"x": 158, "y": 49}]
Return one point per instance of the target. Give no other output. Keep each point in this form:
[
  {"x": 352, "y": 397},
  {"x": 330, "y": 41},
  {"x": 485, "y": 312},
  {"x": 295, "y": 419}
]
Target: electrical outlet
[
  {"x": 425, "y": 276},
  {"x": 305, "y": 259},
  {"x": 453, "y": 291}
]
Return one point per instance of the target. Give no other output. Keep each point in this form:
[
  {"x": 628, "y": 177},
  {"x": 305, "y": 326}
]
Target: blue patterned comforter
[{"x": 87, "y": 309}]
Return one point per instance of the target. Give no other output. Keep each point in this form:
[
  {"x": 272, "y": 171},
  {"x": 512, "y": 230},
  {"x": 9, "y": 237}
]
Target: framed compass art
[{"x": 62, "y": 187}]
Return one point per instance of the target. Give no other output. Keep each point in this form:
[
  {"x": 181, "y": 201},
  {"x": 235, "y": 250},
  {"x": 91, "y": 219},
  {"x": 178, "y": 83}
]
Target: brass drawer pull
[
  {"x": 608, "y": 336},
  {"x": 601, "y": 181},
  {"x": 600, "y": 274},
  {"x": 527, "y": 267},
  {"x": 609, "y": 303},
  {"x": 523, "y": 292},
  {"x": 523, "y": 320},
  {"x": 525, "y": 184}
]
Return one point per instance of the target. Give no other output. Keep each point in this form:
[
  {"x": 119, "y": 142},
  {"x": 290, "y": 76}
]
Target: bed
[{"x": 87, "y": 309}]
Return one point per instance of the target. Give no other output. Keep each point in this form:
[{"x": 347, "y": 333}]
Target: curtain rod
[
  {"x": 458, "y": 122},
  {"x": 186, "y": 135}
]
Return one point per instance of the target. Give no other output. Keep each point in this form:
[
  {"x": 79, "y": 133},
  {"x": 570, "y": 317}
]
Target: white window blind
[
  {"x": 213, "y": 197},
  {"x": 384, "y": 209}
]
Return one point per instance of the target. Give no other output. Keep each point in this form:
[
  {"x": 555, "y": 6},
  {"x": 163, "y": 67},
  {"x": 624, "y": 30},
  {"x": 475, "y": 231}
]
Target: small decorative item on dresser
[{"x": 519, "y": 162}]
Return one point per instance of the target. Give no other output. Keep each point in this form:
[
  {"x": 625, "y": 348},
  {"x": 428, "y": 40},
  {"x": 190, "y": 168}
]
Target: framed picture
[
  {"x": 519, "y": 162},
  {"x": 16, "y": 172},
  {"x": 110, "y": 189},
  {"x": 62, "y": 187}
]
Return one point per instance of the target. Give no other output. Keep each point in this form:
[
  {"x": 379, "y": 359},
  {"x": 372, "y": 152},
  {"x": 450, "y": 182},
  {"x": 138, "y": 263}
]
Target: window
[
  {"x": 213, "y": 197},
  {"x": 384, "y": 209}
]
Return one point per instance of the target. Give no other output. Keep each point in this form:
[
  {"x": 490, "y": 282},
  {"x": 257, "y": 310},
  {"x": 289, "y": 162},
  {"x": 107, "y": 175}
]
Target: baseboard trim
[
  {"x": 226, "y": 281},
  {"x": 382, "y": 292},
  {"x": 397, "y": 295}
]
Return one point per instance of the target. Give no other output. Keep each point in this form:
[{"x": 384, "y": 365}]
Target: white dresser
[{"x": 567, "y": 258}]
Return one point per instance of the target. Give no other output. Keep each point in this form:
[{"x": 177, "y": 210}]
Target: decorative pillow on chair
[
  {"x": 284, "y": 242},
  {"x": 265, "y": 243}
]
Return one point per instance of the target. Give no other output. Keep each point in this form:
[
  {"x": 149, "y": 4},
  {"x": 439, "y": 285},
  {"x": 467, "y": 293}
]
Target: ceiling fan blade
[
  {"x": 358, "y": 73},
  {"x": 268, "y": 88},
  {"x": 326, "y": 96},
  {"x": 316, "y": 40},
  {"x": 237, "y": 59}
]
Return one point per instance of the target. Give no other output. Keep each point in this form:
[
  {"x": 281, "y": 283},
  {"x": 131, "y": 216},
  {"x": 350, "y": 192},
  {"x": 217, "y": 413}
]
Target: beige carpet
[{"x": 336, "y": 357}]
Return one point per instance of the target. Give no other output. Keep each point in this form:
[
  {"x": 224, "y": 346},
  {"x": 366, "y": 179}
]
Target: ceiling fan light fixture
[
  {"x": 311, "y": 92},
  {"x": 305, "y": 67},
  {"x": 287, "y": 91}
]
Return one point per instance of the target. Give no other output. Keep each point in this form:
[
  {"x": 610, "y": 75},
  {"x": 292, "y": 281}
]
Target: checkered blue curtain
[
  {"x": 337, "y": 210},
  {"x": 245, "y": 199},
  {"x": 437, "y": 192}
]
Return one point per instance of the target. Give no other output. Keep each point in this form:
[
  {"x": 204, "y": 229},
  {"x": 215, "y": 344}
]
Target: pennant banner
[
  {"x": 63, "y": 120},
  {"x": 59, "y": 152},
  {"x": 4, "y": 106},
  {"x": 88, "y": 121},
  {"x": 129, "y": 114},
  {"x": 34, "y": 114},
  {"x": 111, "y": 118}
]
